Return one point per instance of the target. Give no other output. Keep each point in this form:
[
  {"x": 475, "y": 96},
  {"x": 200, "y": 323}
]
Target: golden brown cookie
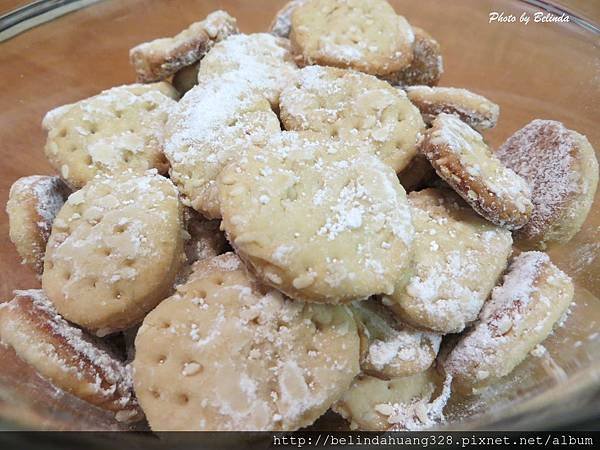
[
  {"x": 562, "y": 169},
  {"x": 115, "y": 249},
  {"x": 390, "y": 348},
  {"x": 427, "y": 65},
  {"x": 157, "y": 60},
  {"x": 365, "y": 35},
  {"x": 227, "y": 354},
  {"x": 475, "y": 110},
  {"x": 119, "y": 129},
  {"x": 520, "y": 314},
  {"x": 458, "y": 257},
  {"x": 351, "y": 105},
  {"x": 70, "y": 359},
  {"x": 322, "y": 220},
  {"x": 462, "y": 159},
  {"x": 33, "y": 203}
]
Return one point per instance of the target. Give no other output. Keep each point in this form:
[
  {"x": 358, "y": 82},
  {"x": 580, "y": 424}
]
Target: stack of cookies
[{"x": 285, "y": 223}]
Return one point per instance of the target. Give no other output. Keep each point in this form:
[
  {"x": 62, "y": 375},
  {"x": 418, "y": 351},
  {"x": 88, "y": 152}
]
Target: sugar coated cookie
[
  {"x": 351, "y": 105},
  {"x": 427, "y": 65},
  {"x": 261, "y": 60},
  {"x": 322, "y": 220},
  {"x": 282, "y": 22},
  {"x": 409, "y": 403},
  {"x": 475, "y": 110},
  {"x": 366, "y": 35},
  {"x": 390, "y": 348},
  {"x": 464, "y": 161},
  {"x": 213, "y": 125},
  {"x": 161, "y": 58},
  {"x": 186, "y": 78},
  {"x": 65, "y": 355},
  {"x": 118, "y": 129},
  {"x": 457, "y": 261},
  {"x": 115, "y": 248},
  {"x": 33, "y": 203},
  {"x": 520, "y": 314},
  {"x": 562, "y": 169},
  {"x": 225, "y": 353}
]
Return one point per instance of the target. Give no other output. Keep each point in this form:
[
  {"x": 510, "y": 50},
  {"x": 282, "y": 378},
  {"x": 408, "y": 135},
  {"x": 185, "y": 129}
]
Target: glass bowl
[{"x": 535, "y": 70}]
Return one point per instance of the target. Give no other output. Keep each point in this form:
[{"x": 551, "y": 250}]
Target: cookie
[
  {"x": 475, "y": 110},
  {"x": 115, "y": 248},
  {"x": 206, "y": 240},
  {"x": 33, "y": 203},
  {"x": 159, "y": 59},
  {"x": 390, "y": 348},
  {"x": 562, "y": 169},
  {"x": 458, "y": 257},
  {"x": 261, "y": 60},
  {"x": 186, "y": 78},
  {"x": 281, "y": 25},
  {"x": 409, "y": 403},
  {"x": 427, "y": 65},
  {"x": 227, "y": 354},
  {"x": 417, "y": 174},
  {"x": 365, "y": 35},
  {"x": 119, "y": 129},
  {"x": 462, "y": 159},
  {"x": 62, "y": 353},
  {"x": 520, "y": 314},
  {"x": 211, "y": 126},
  {"x": 351, "y": 105},
  {"x": 321, "y": 220}
]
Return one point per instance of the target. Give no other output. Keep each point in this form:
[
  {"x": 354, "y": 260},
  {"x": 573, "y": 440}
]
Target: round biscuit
[
  {"x": 462, "y": 159},
  {"x": 33, "y": 203},
  {"x": 212, "y": 125},
  {"x": 366, "y": 35},
  {"x": 458, "y": 257},
  {"x": 322, "y": 220},
  {"x": 115, "y": 248},
  {"x": 519, "y": 315},
  {"x": 562, "y": 169},
  {"x": 351, "y": 105},
  {"x": 227, "y": 354},
  {"x": 70, "y": 359},
  {"x": 119, "y": 129}
]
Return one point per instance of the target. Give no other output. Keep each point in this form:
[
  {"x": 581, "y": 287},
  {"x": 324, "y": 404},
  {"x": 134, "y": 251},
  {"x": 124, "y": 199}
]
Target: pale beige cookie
[
  {"x": 475, "y": 110},
  {"x": 70, "y": 359},
  {"x": 365, "y": 35},
  {"x": 322, "y": 220},
  {"x": 390, "y": 348},
  {"x": 115, "y": 248},
  {"x": 520, "y": 314},
  {"x": 186, "y": 78},
  {"x": 427, "y": 65},
  {"x": 33, "y": 203},
  {"x": 351, "y": 105},
  {"x": 118, "y": 129},
  {"x": 158, "y": 59},
  {"x": 462, "y": 159},
  {"x": 227, "y": 354},
  {"x": 562, "y": 169},
  {"x": 281, "y": 25},
  {"x": 417, "y": 174},
  {"x": 212, "y": 125},
  {"x": 457, "y": 261},
  {"x": 261, "y": 60},
  {"x": 409, "y": 403}
]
